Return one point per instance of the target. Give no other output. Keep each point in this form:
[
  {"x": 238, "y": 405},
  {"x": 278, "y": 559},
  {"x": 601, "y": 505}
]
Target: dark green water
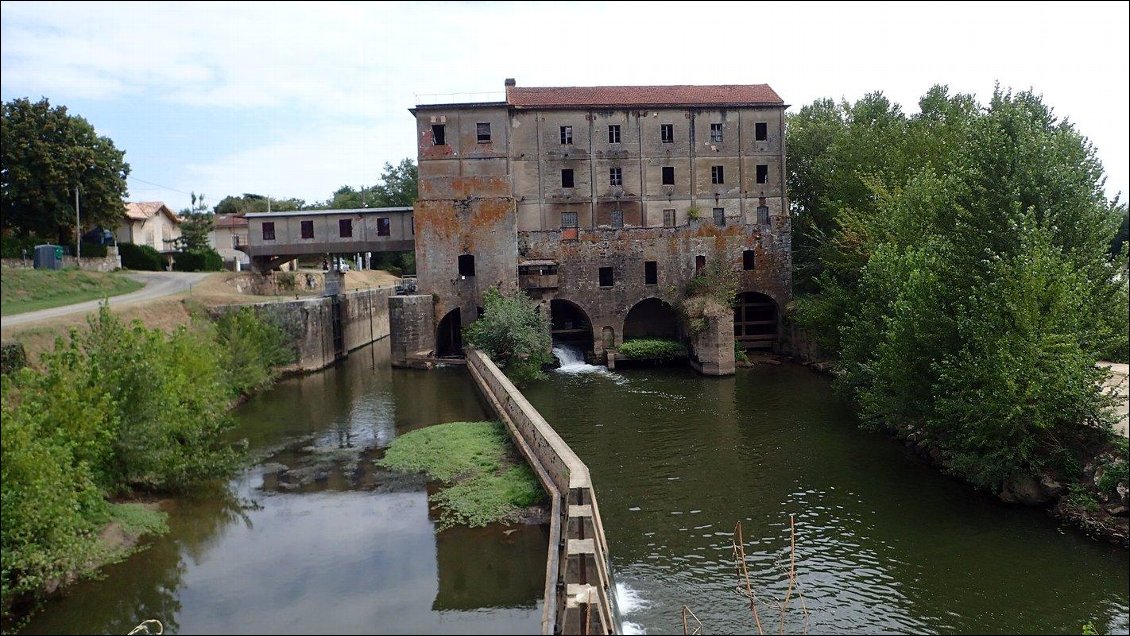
[
  {"x": 885, "y": 544},
  {"x": 332, "y": 545}
]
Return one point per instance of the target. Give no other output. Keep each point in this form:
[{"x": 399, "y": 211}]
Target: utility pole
[{"x": 78, "y": 232}]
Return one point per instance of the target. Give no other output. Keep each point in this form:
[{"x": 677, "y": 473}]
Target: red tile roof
[
  {"x": 571, "y": 96},
  {"x": 146, "y": 209}
]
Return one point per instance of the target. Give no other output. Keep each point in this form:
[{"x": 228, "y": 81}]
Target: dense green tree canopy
[
  {"x": 46, "y": 154},
  {"x": 248, "y": 202},
  {"x": 397, "y": 188}
]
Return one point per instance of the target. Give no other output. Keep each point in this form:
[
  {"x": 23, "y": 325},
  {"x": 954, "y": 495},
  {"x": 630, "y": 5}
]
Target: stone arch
[
  {"x": 651, "y": 318},
  {"x": 756, "y": 320},
  {"x": 449, "y": 335},
  {"x": 570, "y": 324}
]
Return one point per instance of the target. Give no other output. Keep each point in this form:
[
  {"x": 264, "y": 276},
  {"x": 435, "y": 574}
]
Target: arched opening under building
[
  {"x": 651, "y": 318},
  {"x": 569, "y": 324},
  {"x": 449, "y": 335},
  {"x": 755, "y": 321}
]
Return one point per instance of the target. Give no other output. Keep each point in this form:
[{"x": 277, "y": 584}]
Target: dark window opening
[
  {"x": 760, "y": 131},
  {"x": 466, "y": 264},
  {"x": 669, "y": 218},
  {"x": 617, "y": 218},
  {"x": 667, "y": 133},
  {"x": 716, "y": 133},
  {"x": 568, "y": 219},
  {"x": 439, "y": 135},
  {"x": 567, "y": 178},
  {"x": 482, "y": 129},
  {"x": 345, "y": 228},
  {"x": 566, "y": 135},
  {"x": 605, "y": 276},
  {"x": 650, "y": 273},
  {"x": 269, "y": 231},
  {"x": 615, "y": 177},
  {"x": 763, "y": 214},
  {"x": 384, "y": 226},
  {"x": 307, "y": 229},
  {"x": 668, "y": 175},
  {"x": 699, "y": 265},
  {"x": 614, "y": 134},
  {"x": 762, "y": 173},
  {"x": 749, "y": 260},
  {"x": 719, "y": 216},
  {"x": 717, "y": 175}
]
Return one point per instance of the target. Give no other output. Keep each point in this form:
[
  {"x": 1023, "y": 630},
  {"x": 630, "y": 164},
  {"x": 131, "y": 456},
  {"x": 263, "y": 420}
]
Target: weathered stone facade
[{"x": 606, "y": 200}]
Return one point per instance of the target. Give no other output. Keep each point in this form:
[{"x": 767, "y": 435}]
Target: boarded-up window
[
  {"x": 605, "y": 276},
  {"x": 617, "y": 218},
  {"x": 482, "y": 132},
  {"x": 269, "y": 231},
  {"x": 763, "y": 214},
  {"x": 762, "y": 173},
  {"x": 749, "y": 259},
  {"x": 567, "y": 178},
  {"x": 384, "y": 226},
  {"x": 668, "y": 175},
  {"x": 760, "y": 131},
  {"x": 719, "y": 216},
  {"x": 667, "y": 133},
  {"x": 307, "y": 229},
  {"x": 345, "y": 228},
  {"x": 650, "y": 273},
  {"x": 439, "y": 135},
  {"x": 466, "y": 264},
  {"x": 669, "y": 218}
]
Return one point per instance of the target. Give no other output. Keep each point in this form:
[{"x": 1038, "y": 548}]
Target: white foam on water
[
  {"x": 629, "y": 601},
  {"x": 573, "y": 362}
]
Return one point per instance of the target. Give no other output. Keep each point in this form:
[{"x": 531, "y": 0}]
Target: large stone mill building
[{"x": 603, "y": 202}]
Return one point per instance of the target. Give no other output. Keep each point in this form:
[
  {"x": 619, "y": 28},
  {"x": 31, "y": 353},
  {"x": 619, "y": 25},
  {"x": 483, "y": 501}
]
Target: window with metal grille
[
  {"x": 307, "y": 229},
  {"x": 606, "y": 277},
  {"x": 384, "y": 226},
  {"x": 669, "y": 218},
  {"x": 719, "y": 216},
  {"x": 614, "y": 134},
  {"x": 615, "y": 177},
  {"x": 717, "y": 175},
  {"x": 566, "y": 135},
  {"x": 466, "y": 264},
  {"x": 668, "y": 175},
  {"x": 268, "y": 231},
  {"x": 760, "y": 131},
  {"x": 763, "y": 214},
  {"x": 749, "y": 259},
  {"x": 667, "y": 133},
  {"x": 482, "y": 130},
  {"x": 568, "y": 219},
  {"x": 715, "y": 133},
  {"x": 345, "y": 228},
  {"x": 762, "y": 173},
  {"x": 617, "y": 218},
  {"x": 567, "y": 178},
  {"x": 650, "y": 273},
  {"x": 439, "y": 135}
]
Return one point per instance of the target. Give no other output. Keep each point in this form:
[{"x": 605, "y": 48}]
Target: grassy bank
[
  {"x": 484, "y": 478},
  {"x": 34, "y": 289}
]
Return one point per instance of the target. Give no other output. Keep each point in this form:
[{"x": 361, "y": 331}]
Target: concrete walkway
[
  {"x": 157, "y": 284},
  {"x": 1119, "y": 384}
]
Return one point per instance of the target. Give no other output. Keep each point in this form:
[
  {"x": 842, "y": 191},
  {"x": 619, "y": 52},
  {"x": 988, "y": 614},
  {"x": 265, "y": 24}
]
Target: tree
[
  {"x": 249, "y": 202},
  {"x": 398, "y": 187},
  {"x": 47, "y": 153},
  {"x": 514, "y": 334},
  {"x": 197, "y": 222}
]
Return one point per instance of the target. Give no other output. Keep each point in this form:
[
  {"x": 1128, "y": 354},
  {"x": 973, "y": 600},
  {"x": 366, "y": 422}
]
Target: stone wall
[
  {"x": 108, "y": 263},
  {"x": 412, "y": 327}
]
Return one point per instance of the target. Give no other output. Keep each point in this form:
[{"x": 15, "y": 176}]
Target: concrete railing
[{"x": 580, "y": 595}]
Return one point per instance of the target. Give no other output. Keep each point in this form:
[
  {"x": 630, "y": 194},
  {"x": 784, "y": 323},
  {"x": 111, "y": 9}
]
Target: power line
[{"x": 160, "y": 186}]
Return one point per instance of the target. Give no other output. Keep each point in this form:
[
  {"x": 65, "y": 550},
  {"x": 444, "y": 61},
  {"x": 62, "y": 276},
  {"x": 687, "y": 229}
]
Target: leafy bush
[
  {"x": 141, "y": 257},
  {"x": 252, "y": 349},
  {"x": 15, "y": 246},
  {"x": 13, "y": 357},
  {"x": 514, "y": 334},
  {"x": 90, "y": 250},
  {"x": 653, "y": 349},
  {"x": 202, "y": 260}
]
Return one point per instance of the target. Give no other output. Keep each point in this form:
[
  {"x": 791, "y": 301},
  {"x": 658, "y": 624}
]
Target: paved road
[{"x": 157, "y": 284}]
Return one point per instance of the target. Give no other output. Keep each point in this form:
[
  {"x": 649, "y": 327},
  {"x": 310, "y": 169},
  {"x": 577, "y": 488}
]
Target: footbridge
[{"x": 274, "y": 238}]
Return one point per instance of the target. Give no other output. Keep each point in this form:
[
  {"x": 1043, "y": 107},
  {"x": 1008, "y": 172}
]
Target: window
[
  {"x": 715, "y": 133},
  {"x": 466, "y": 264},
  {"x": 384, "y": 226},
  {"x": 762, "y": 173},
  {"x": 566, "y": 135},
  {"x": 345, "y": 228},
  {"x": 650, "y": 273},
  {"x": 668, "y": 175},
  {"x": 237, "y": 240},
  {"x": 763, "y": 214},
  {"x": 269, "y": 231},
  {"x": 717, "y": 175},
  {"x": 667, "y": 133},
  {"x": 439, "y": 135},
  {"x": 669, "y": 218},
  {"x": 760, "y": 131},
  {"x": 719, "y": 216},
  {"x": 699, "y": 265},
  {"x": 617, "y": 218},
  {"x": 614, "y": 134},
  {"x": 482, "y": 129},
  {"x": 615, "y": 177},
  {"x": 605, "y": 276},
  {"x": 567, "y": 178},
  {"x": 568, "y": 219},
  {"x": 749, "y": 260},
  {"x": 307, "y": 229}
]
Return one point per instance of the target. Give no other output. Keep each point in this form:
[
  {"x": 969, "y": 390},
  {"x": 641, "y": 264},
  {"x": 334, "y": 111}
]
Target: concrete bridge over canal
[{"x": 274, "y": 238}]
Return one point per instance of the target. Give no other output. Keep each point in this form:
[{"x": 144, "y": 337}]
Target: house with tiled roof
[
  {"x": 149, "y": 223},
  {"x": 603, "y": 203}
]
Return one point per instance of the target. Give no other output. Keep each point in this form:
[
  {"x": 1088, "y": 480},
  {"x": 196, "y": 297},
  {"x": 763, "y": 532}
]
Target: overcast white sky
[{"x": 300, "y": 99}]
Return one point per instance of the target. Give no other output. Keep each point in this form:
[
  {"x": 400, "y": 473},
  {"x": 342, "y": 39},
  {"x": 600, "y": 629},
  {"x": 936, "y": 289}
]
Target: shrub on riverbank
[
  {"x": 484, "y": 479},
  {"x": 652, "y": 349},
  {"x": 514, "y": 334}
]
